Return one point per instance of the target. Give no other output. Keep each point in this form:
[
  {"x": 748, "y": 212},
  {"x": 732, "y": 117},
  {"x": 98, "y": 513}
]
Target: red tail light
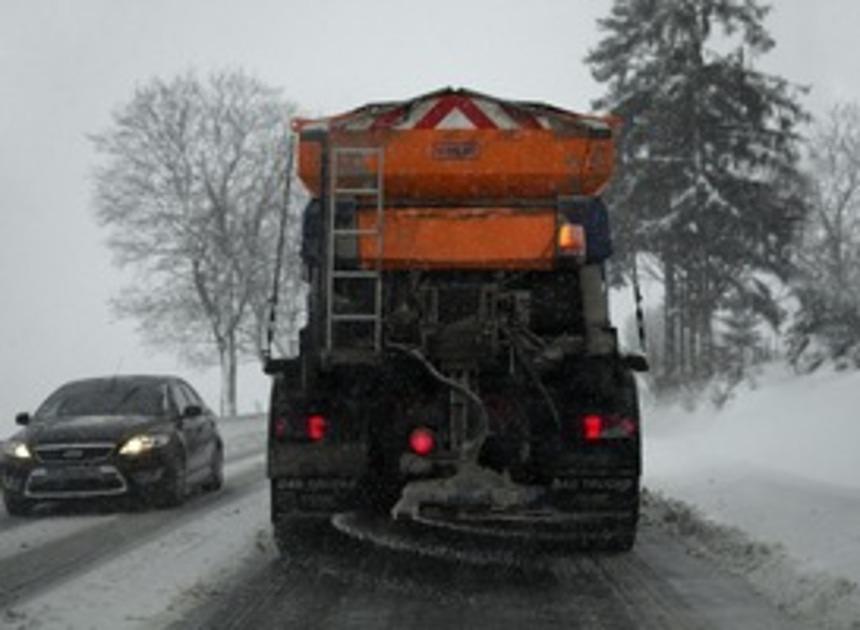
[
  {"x": 316, "y": 427},
  {"x": 422, "y": 441},
  {"x": 597, "y": 427},
  {"x": 592, "y": 427}
]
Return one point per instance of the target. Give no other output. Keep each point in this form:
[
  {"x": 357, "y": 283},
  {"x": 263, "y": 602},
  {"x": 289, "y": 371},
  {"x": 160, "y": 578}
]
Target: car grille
[
  {"x": 74, "y": 453},
  {"x": 71, "y": 482}
]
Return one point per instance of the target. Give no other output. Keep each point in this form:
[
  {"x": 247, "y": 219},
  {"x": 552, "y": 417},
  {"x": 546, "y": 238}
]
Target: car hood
[{"x": 91, "y": 429}]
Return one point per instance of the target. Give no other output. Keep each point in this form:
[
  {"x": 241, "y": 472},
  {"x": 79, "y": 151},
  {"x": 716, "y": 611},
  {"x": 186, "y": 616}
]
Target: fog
[{"x": 65, "y": 65}]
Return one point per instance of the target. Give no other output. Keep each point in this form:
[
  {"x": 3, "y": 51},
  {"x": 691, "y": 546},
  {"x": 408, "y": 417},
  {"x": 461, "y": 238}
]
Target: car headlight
[
  {"x": 17, "y": 450},
  {"x": 142, "y": 443}
]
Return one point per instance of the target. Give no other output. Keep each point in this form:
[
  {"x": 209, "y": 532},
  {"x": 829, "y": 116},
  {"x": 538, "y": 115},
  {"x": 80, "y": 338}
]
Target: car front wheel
[
  {"x": 17, "y": 504},
  {"x": 216, "y": 471},
  {"x": 174, "y": 491}
]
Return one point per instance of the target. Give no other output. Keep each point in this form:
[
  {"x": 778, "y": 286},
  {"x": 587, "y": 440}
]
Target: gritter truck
[{"x": 458, "y": 365}]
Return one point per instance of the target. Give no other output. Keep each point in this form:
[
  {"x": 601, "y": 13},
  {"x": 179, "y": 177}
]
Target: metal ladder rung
[
  {"x": 358, "y": 150},
  {"x": 356, "y": 191},
  {"x": 352, "y": 280},
  {"x": 355, "y": 274},
  {"x": 353, "y": 317},
  {"x": 355, "y": 232}
]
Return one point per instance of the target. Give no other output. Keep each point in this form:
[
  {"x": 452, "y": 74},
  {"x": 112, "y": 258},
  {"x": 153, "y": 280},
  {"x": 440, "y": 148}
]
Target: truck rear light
[
  {"x": 316, "y": 427},
  {"x": 596, "y": 427},
  {"x": 422, "y": 441},
  {"x": 571, "y": 239},
  {"x": 592, "y": 427}
]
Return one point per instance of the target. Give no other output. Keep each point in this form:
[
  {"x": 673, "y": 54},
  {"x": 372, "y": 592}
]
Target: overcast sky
[{"x": 65, "y": 65}]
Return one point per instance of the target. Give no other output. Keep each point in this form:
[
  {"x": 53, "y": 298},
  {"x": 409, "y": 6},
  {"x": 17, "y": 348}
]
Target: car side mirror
[
  {"x": 635, "y": 362},
  {"x": 22, "y": 418},
  {"x": 192, "y": 411}
]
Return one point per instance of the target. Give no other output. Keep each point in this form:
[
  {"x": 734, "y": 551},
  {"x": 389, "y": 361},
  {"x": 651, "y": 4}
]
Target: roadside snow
[
  {"x": 778, "y": 465},
  {"x": 153, "y": 585},
  {"x": 242, "y": 435},
  {"x": 39, "y": 532}
]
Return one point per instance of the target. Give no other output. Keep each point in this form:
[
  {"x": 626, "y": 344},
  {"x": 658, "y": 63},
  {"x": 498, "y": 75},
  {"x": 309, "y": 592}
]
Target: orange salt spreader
[
  {"x": 466, "y": 180},
  {"x": 458, "y": 367}
]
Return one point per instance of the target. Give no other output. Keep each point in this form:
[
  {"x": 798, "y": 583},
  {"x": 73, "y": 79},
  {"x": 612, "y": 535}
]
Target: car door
[
  {"x": 190, "y": 429},
  {"x": 209, "y": 440}
]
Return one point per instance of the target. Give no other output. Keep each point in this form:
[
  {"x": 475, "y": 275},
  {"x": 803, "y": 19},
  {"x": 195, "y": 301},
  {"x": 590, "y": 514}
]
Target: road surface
[{"x": 211, "y": 564}]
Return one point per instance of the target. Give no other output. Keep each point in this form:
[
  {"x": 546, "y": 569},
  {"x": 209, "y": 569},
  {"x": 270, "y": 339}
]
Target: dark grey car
[{"x": 150, "y": 437}]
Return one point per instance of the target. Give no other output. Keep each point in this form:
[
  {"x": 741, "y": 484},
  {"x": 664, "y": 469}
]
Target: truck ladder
[{"x": 354, "y": 327}]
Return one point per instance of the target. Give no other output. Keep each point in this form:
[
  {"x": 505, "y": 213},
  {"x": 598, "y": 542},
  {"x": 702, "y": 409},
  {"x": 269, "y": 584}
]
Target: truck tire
[
  {"x": 618, "y": 520},
  {"x": 622, "y": 540},
  {"x": 381, "y": 490},
  {"x": 290, "y": 528},
  {"x": 286, "y": 531},
  {"x": 293, "y": 532},
  {"x": 623, "y": 536}
]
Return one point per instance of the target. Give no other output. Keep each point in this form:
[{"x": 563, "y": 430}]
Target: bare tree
[
  {"x": 190, "y": 187},
  {"x": 828, "y": 285}
]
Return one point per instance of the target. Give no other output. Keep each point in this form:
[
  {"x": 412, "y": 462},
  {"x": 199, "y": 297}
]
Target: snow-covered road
[
  {"x": 211, "y": 564},
  {"x": 112, "y": 566},
  {"x": 335, "y": 582}
]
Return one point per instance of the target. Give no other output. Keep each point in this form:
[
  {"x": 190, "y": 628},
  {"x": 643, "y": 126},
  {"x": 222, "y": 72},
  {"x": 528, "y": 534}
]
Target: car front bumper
[{"x": 111, "y": 477}]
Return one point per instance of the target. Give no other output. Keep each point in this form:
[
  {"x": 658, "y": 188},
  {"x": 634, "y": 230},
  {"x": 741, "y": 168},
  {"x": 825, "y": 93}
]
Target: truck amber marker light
[{"x": 571, "y": 239}]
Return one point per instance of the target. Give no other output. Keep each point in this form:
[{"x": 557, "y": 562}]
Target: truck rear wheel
[
  {"x": 291, "y": 532},
  {"x": 611, "y": 522},
  {"x": 622, "y": 537},
  {"x": 291, "y": 527},
  {"x": 282, "y": 505}
]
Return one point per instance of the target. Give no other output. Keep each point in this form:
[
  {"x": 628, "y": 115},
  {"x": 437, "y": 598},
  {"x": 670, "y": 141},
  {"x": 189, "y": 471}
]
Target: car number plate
[{"x": 85, "y": 472}]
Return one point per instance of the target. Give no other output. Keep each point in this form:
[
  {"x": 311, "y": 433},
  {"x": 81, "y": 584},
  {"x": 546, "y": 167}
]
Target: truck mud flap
[{"x": 291, "y": 496}]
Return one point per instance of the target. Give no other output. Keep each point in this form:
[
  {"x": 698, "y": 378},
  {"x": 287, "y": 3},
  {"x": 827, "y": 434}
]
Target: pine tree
[{"x": 708, "y": 174}]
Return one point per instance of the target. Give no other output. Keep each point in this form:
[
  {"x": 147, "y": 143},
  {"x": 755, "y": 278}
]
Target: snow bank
[
  {"x": 805, "y": 426},
  {"x": 779, "y": 465},
  {"x": 819, "y": 599}
]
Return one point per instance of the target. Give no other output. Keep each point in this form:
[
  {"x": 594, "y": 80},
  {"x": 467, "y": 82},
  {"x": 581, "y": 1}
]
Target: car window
[
  {"x": 191, "y": 395},
  {"x": 179, "y": 396},
  {"x": 104, "y": 397}
]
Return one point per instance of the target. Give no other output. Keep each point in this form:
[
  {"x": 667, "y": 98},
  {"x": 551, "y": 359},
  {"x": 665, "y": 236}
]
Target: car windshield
[{"x": 104, "y": 397}]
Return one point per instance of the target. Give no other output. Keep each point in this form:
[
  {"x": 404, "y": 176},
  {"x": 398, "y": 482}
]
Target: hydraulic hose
[{"x": 471, "y": 448}]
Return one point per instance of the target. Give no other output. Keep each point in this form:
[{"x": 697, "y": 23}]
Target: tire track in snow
[
  {"x": 38, "y": 569},
  {"x": 332, "y": 581}
]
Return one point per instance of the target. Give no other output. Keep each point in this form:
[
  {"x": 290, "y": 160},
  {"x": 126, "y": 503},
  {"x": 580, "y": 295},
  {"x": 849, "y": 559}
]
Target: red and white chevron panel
[{"x": 455, "y": 109}]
